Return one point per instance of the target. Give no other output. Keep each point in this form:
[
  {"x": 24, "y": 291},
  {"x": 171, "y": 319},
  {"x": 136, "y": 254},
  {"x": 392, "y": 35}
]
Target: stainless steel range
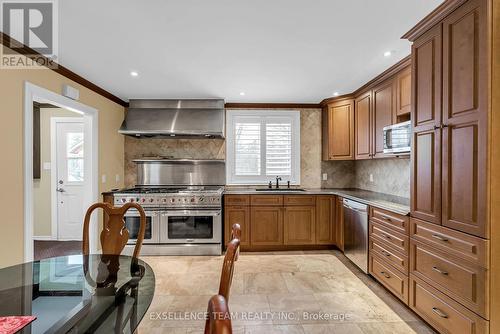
[{"x": 183, "y": 204}]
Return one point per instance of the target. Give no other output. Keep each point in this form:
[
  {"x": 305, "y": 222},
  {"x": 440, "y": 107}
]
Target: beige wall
[
  {"x": 42, "y": 226},
  {"x": 310, "y": 142},
  {"x": 11, "y": 135}
]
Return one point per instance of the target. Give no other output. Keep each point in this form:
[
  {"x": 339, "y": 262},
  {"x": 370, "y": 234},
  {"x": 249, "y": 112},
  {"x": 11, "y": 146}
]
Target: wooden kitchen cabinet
[
  {"x": 299, "y": 225},
  {"x": 384, "y": 114},
  {"x": 266, "y": 225},
  {"x": 363, "y": 126},
  {"x": 338, "y": 130},
  {"x": 325, "y": 220},
  {"x": 403, "y": 86},
  {"x": 465, "y": 119},
  {"x": 237, "y": 215}
]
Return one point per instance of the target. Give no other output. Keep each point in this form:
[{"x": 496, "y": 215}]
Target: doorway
[{"x": 71, "y": 169}]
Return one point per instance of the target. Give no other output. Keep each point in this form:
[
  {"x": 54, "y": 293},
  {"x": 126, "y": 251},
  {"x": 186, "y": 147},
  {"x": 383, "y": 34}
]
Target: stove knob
[
  {"x": 131, "y": 200},
  {"x": 151, "y": 200},
  {"x": 201, "y": 199},
  {"x": 192, "y": 200},
  {"x": 172, "y": 200},
  {"x": 143, "y": 200},
  {"x": 124, "y": 200}
]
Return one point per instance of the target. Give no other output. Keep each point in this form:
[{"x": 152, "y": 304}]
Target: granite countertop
[{"x": 396, "y": 204}]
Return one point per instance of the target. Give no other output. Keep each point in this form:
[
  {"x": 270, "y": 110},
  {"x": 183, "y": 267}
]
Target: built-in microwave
[{"x": 397, "y": 138}]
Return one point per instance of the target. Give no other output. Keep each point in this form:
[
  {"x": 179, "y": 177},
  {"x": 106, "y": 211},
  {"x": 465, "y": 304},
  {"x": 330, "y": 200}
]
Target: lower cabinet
[
  {"x": 266, "y": 225},
  {"x": 339, "y": 223},
  {"x": 325, "y": 220},
  {"x": 237, "y": 215},
  {"x": 299, "y": 225},
  {"x": 392, "y": 279}
]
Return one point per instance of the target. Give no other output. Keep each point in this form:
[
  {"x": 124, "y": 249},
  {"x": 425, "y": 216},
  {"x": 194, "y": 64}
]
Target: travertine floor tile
[
  {"x": 264, "y": 283},
  {"x": 293, "y": 308},
  {"x": 338, "y": 328},
  {"x": 277, "y": 329},
  {"x": 305, "y": 282}
]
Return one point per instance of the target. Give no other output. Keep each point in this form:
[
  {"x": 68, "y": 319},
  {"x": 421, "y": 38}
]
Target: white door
[{"x": 70, "y": 178}]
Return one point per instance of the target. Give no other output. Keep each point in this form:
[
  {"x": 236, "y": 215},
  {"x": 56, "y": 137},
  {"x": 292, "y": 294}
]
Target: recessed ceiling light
[
  {"x": 387, "y": 54},
  {"x": 242, "y": 93},
  {"x": 336, "y": 94},
  {"x": 134, "y": 73}
]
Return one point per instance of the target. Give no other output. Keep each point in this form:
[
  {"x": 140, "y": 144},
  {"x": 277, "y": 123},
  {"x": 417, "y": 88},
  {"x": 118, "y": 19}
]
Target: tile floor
[{"x": 282, "y": 292}]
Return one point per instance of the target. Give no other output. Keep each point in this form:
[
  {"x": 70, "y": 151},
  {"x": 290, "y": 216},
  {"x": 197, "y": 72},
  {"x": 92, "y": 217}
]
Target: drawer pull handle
[
  {"x": 386, "y": 275},
  {"x": 442, "y": 272},
  {"x": 387, "y": 218},
  {"x": 386, "y": 253},
  {"x": 439, "y": 312},
  {"x": 439, "y": 237},
  {"x": 387, "y": 236}
]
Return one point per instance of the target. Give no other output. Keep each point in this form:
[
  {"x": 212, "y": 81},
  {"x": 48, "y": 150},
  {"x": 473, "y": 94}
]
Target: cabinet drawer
[
  {"x": 237, "y": 199},
  {"x": 452, "y": 242},
  {"x": 466, "y": 283},
  {"x": 299, "y": 200},
  {"x": 446, "y": 315},
  {"x": 264, "y": 200},
  {"x": 398, "y": 260},
  {"x": 387, "y": 236},
  {"x": 392, "y": 279},
  {"x": 390, "y": 219}
]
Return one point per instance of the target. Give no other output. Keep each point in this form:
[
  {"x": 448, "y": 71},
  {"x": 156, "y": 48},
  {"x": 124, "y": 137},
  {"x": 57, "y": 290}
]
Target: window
[
  {"x": 74, "y": 155},
  {"x": 263, "y": 144}
]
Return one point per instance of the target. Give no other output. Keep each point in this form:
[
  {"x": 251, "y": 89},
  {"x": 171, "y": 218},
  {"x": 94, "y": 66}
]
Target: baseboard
[{"x": 43, "y": 238}]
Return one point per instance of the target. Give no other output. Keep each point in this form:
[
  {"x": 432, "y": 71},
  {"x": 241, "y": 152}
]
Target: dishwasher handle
[{"x": 355, "y": 206}]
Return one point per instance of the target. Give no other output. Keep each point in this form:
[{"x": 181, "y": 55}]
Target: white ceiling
[{"x": 273, "y": 50}]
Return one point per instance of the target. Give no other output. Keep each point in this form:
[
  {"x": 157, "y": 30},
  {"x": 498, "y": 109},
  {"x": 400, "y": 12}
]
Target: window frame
[{"x": 263, "y": 117}]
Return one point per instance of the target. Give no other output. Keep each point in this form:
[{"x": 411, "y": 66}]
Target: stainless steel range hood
[{"x": 175, "y": 118}]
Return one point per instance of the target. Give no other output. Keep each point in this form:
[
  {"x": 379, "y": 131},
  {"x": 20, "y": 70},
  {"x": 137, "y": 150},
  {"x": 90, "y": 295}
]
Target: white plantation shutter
[
  {"x": 262, "y": 145},
  {"x": 279, "y": 149},
  {"x": 247, "y": 149}
]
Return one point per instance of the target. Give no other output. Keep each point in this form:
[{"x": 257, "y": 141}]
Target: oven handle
[
  {"x": 148, "y": 213},
  {"x": 214, "y": 213}
]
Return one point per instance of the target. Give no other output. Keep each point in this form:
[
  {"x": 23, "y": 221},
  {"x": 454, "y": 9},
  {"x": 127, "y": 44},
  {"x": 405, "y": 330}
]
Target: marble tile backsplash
[{"x": 390, "y": 176}]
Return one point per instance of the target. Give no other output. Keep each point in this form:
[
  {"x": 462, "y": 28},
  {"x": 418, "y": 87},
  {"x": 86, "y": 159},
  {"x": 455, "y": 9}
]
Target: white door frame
[
  {"x": 33, "y": 93},
  {"x": 87, "y": 190}
]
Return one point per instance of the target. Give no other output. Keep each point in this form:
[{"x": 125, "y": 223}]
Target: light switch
[
  {"x": 117, "y": 178},
  {"x": 325, "y": 176},
  {"x": 47, "y": 166},
  {"x": 103, "y": 178},
  {"x": 371, "y": 177}
]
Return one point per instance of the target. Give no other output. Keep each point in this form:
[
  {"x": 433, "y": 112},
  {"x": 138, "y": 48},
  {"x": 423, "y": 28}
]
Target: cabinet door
[
  {"x": 266, "y": 225},
  {"x": 237, "y": 215},
  {"x": 426, "y": 80},
  {"x": 325, "y": 220},
  {"x": 340, "y": 134},
  {"x": 363, "y": 126},
  {"x": 299, "y": 225},
  {"x": 426, "y": 120},
  {"x": 403, "y": 82},
  {"x": 425, "y": 181},
  {"x": 465, "y": 133},
  {"x": 339, "y": 223},
  {"x": 384, "y": 106}
]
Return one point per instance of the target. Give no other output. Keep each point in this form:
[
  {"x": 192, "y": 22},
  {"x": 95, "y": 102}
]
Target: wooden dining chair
[
  {"x": 226, "y": 277},
  {"x": 114, "y": 235},
  {"x": 236, "y": 234},
  {"x": 218, "y": 316}
]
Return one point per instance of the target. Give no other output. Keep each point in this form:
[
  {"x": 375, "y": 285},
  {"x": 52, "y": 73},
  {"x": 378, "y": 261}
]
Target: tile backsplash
[{"x": 390, "y": 176}]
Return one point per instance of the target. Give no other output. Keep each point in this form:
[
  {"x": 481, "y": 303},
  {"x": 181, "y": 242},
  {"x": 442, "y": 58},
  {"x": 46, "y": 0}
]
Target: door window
[{"x": 74, "y": 155}]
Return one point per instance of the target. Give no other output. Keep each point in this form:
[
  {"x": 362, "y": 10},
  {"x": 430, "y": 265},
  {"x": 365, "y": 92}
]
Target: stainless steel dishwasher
[{"x": 356, "y": 233}]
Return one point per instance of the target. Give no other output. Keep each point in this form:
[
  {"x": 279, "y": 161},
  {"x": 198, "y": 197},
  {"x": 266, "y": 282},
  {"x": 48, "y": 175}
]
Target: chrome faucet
[{"x": 278, "y": 179}]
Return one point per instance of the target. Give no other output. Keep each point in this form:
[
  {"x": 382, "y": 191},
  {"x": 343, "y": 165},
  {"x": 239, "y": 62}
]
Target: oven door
[
  {"x": 191, "y": 227},
  {"x": 133, "y": 223}
]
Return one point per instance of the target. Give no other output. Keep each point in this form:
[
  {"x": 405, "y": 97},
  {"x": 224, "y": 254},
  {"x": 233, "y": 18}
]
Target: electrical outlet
[
  {"x": 325, "y": 176},
  {"x": 103, "y": 178},
  {"x": 371, "y": 177},
  {"x": 117, "y": 178}
]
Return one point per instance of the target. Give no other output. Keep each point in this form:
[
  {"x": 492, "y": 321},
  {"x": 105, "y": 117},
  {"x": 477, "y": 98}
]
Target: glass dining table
[{"x": 78, "y": 294}]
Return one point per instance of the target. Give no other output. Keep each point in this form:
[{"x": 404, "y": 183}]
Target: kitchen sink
[{"x": 280, "y": 189}]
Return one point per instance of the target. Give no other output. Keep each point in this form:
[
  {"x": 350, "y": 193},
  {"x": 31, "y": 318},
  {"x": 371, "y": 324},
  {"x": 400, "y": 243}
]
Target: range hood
[{"x": 175, "y": 118}]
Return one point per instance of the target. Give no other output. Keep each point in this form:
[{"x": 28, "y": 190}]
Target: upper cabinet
[
  {"x": 338, "y": 130},
  {"x": 403, "y": 90},
  {"x": 450, "y": 115},
  {"x": 384, "y": 113},
  {"x": 363, "y": 126}
]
